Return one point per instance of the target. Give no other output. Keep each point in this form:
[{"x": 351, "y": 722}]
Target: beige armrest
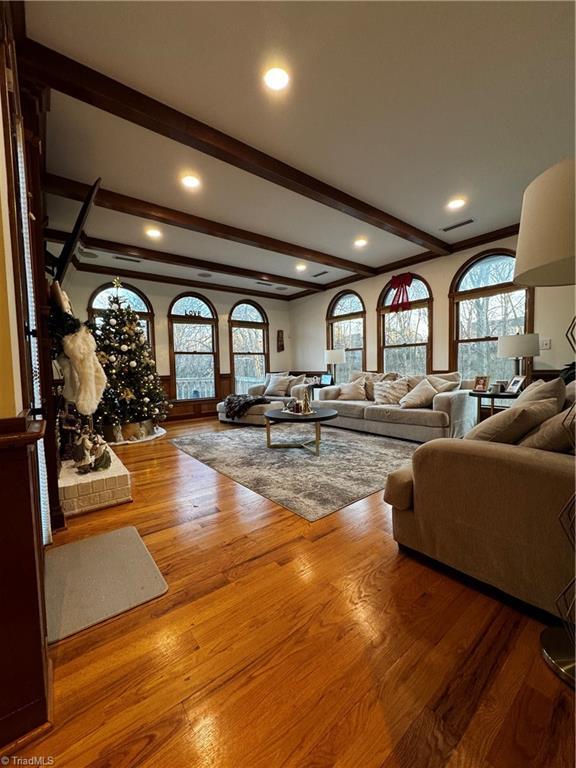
[
  {"x": 257, "y": 390},
  {"x": 461, "y": 409},
  {"x": 329, "y": 393},
  {"x": 399, "y": 485}
]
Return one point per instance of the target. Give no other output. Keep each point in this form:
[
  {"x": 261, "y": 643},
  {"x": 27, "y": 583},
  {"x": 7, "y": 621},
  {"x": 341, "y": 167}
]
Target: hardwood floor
[{"x": 287, "y": 643}]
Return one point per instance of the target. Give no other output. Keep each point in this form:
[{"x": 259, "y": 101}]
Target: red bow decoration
[{"x": 400, "y": 285}]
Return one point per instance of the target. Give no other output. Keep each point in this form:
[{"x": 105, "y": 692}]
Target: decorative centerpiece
[{"x": 299, "y": 407}]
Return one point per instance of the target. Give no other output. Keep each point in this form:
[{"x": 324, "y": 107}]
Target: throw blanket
[{"x": 237, "y": 405}]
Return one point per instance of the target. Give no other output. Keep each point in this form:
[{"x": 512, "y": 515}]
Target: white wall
[
  {"x": 80, "y": 285},
  {"x": 554, "y": 308}
]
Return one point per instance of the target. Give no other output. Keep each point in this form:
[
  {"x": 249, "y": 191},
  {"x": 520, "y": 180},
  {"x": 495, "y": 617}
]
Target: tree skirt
[
  {"x": 158, "y": 432},
  {"x": 351, "y": 466}
]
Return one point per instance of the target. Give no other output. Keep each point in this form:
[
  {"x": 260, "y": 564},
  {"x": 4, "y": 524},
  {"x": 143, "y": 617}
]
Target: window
[
  {"x": 193, "y": 347},
  {"x": 248, "y": 345},
  {"x": 132, "y": 297},
  {"x": 485, "y": 305},
  {"x": 406, "y": 337},
  {"x": 346, "y": 321}
]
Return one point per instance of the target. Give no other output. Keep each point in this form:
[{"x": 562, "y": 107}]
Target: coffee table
[{"x": 316, "y": 418}]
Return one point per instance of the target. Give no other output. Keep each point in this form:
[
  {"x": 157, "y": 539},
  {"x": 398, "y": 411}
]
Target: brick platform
[{"x": 96, "y": 490}]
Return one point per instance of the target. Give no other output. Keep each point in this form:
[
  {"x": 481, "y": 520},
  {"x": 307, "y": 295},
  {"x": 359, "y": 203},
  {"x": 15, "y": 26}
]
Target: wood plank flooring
[{"x": 288, "y": 644}]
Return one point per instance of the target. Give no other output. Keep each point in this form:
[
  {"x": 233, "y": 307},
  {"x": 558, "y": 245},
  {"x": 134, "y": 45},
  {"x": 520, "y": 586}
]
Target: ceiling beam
[
  {"x": 57, "y": 71},
  {"x": 114, "y": 201},
  {"x": 147, "y": 254},
  {"x": 394, "y": 266},
  {"x": 146, "y": 276}
]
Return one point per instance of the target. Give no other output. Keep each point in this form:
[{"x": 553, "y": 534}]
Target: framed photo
[
  {"x": 481, "y": 383},
  {"x": 326, "y": 379},
  {"x": 515, "y": 384}
]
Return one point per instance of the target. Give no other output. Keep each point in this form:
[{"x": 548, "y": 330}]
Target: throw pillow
[
  {"x": 354, "y": 390},
  {"x": 294, "y": 381},
  {"x": 442, "y": 383},
  {"x": 390, "y": 392},
  {"x": 278, "y": 385},
  {"x": 277, "y": 373},
  {"x": 419, "y": 397},
  {"x": 511, "y": 425},
  {"x": 541, "y": 390},
  {"x": 553, "y": 434},
  {"x": 370, "y": 378}
]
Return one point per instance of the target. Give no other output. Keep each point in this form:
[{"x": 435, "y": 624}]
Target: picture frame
[
  {"x": 514, "y": 384},
  {"x": 326, "y": 379},
  {"x": 481, "y": 383}
]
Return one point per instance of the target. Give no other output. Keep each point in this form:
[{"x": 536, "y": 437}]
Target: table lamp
[
  {"x": 334, "y": 356},
  {"x": 518, "y": 346}
]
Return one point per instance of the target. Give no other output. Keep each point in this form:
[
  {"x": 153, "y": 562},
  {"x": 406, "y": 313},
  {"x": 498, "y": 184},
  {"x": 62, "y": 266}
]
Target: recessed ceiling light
[
  {"x": 191, "y": 182},
  {"x": 301, "y": 267},
  {"x": 456, "y": 203},
  {"x": 360, "y": 242},
  {"x": 154, "y": 233},
  {"x": 276, "y": 79}
]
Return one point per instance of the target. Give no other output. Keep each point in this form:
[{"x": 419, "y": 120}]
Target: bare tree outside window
[
  {"x": 406, "y": 334},
  {"x": 249, "y": 345},
  {"x": 193, "y": 333},
  {"x": 346, "y": 317}
]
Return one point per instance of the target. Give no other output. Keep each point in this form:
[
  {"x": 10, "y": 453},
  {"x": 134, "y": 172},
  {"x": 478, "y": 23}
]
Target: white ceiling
[{"x": 403, "y": 105}]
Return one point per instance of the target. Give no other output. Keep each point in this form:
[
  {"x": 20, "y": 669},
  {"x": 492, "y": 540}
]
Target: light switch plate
[{"x": 545, "y": 344}]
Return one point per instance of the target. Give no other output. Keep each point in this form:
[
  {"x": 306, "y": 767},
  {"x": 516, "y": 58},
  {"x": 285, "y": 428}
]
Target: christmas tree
[{"x": 134, "y": 392}]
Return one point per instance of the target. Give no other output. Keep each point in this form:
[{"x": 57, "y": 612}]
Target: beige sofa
[
  {"x": 452, "y": 414},
  {"x": 256, "y": 413},
  {"x": 489, "y": 510}
]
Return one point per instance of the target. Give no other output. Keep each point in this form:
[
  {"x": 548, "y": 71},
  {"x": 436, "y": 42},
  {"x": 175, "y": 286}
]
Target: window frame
[
  {"x": 455, "y": 296},
  {"x": 147, "y": 316},
  {"x": 264, "y": 325},
  {"x": 331, "y": 319},
  {"x": 185, "y": 319},
  {"x": 382, "y": 310}
]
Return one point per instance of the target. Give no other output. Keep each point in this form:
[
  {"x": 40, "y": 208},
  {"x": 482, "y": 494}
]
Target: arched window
[
  {"x": 406, "y": 336},
  {"x": 193, "y": 329},
  {"x": 485, "y": 304},
  {"x": 249, "y": 345},
  {"x": 135, "y": 299},
  {"x": 346, "y": 329}
]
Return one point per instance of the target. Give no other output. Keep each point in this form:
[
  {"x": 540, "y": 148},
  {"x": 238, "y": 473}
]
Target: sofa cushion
[
  {"x": 541, "y": 390},
  {"x": 370, "y": 378},
  {"x": 276, "y": 373},
  {"x": 419, "y": 397},
  {"x": 394, "y": 414},
  {"x": 294, "y": 381},
  {"x": 390, "y": 392},
  {"x": 277, "y": 386},
  {"x": 553, "y": 434},
  {"x": 354, "y": 390},
  {"x": 513, "y": 424},
  {"x": 352, "y": 409},
  {"x": 443, "y": 384}
]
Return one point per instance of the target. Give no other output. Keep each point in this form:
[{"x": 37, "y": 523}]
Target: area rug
[
  {"x": 96, "y": 578},
  {"x": 351, "y": 466}
]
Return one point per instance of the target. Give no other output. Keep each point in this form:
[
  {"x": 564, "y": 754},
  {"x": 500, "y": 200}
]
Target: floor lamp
[{"x": 545, "y": 257}]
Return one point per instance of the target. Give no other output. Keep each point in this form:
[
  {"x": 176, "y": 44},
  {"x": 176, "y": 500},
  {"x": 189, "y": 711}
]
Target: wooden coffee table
[{"x": 316, "y": 418}]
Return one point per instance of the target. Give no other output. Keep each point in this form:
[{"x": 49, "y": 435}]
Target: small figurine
[{"x": 82, "y": 452}]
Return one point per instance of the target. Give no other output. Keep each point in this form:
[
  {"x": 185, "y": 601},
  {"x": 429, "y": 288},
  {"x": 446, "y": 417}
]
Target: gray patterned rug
[{"x": 351, "y": 466}]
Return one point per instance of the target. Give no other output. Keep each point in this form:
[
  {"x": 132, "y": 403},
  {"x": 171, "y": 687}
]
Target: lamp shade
[
  {"x": 332, "y": 356},
  {"x": 545, "y": 250},
  {"x": 520, "y": 345}
]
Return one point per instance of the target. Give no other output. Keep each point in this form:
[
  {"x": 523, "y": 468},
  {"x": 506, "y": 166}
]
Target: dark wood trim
[
  {"x": 148, "y": 254},
  {"x": 393, "y": 266},
  {"x": 114, "y": 201},
  {"x": 214, "y": 322},
  {"x": 243, "y": 324},
  {"x": 331, "y": 319},
  {"x": 455, "y": 297},
  {"x": 382, "y": 311},
  {"x": 182, "y": 282},
  {"x": 81, "y": 82},
  {"x": 18, "y": 13},
  {"x": 148, "y": 316}
]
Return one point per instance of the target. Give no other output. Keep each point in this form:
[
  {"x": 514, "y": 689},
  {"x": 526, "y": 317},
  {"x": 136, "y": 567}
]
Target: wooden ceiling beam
[
  {"x": 57, "y": 71},
  {"x": 181, "y": 282},
  {"x": 393, "y": 266},
  {"x": 114, "y": 201},
  {"x": 148, "y": 254}
]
